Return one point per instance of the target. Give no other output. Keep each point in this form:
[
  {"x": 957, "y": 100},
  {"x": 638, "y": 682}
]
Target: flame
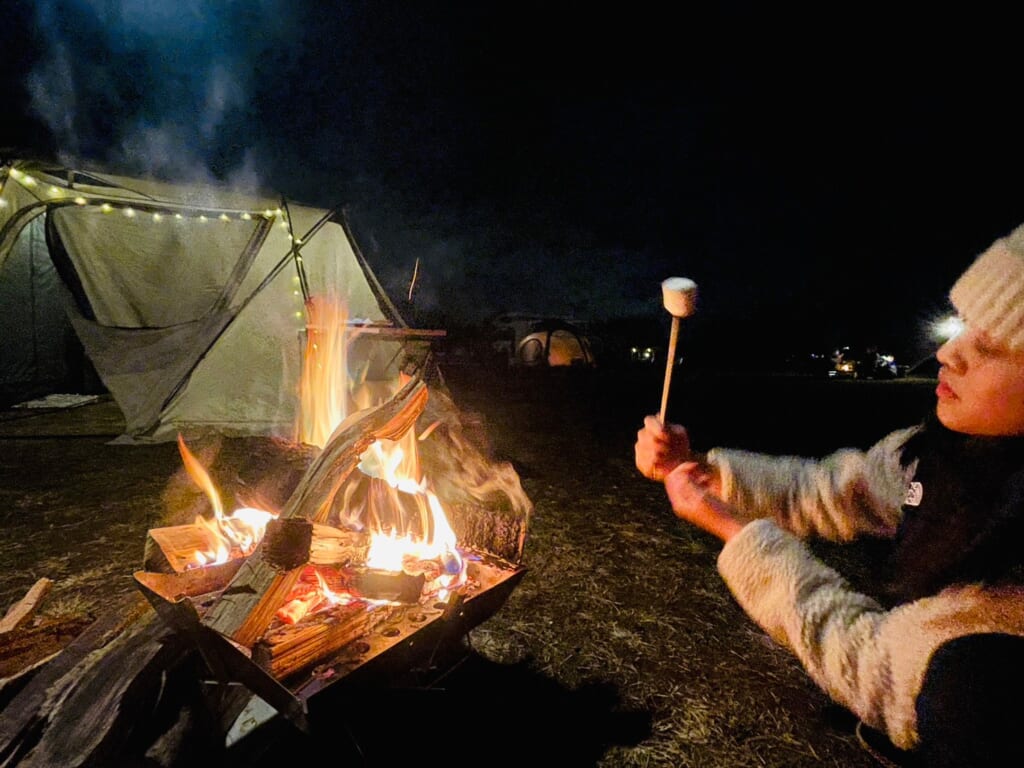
[
  {"x": 234, "y": 535},
  {"x": 324, "y": 385},
  {"x": 409, "y": 529}
]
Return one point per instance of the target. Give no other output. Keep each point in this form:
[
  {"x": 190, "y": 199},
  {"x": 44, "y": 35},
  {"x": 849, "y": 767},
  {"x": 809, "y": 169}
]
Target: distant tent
[
  {"x": 555, "y": 343},
  {"x": 189, "y": 301}
]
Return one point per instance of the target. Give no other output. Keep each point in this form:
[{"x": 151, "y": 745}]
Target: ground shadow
[{"x": 503, "y": 714}]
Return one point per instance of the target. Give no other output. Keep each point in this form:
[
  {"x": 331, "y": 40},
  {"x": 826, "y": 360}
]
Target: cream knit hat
[{"x": 990, "y": 294}]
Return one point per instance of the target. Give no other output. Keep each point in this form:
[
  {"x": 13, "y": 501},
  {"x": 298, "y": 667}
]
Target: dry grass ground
[{"x": 621, "y": 646}]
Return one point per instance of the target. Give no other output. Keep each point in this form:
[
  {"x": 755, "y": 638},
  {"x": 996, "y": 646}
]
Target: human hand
[
  {"x": 660, "y": 448},
  {"x": 693, "y": 491}
]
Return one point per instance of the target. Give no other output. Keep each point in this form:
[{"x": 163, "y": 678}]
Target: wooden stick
[
  {"x": 22, "y": 611},
  {"x": 673, "y": 338}
]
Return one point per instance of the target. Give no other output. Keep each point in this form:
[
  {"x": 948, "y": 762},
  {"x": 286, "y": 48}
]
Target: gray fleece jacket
[{"x": 869, "y": 659}]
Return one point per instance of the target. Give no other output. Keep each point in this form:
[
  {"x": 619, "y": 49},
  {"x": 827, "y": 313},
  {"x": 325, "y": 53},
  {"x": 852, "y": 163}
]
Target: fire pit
[{"x": 366, "y": 571}]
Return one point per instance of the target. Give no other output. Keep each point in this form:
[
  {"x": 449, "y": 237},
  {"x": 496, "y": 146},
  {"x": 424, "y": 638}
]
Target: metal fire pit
[{"x": 408, "y": 638}]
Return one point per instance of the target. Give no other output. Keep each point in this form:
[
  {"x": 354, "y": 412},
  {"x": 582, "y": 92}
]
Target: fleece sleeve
[
  {"x": 839, "y": 497},
  {"x": 870, "y": 660}
]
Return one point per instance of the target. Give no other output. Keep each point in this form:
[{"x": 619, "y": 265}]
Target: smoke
[{"x": 162, "y": 89}]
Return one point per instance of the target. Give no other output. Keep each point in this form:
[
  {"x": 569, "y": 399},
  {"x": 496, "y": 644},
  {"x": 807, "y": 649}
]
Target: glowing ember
[{"x": 314, "y": 593}]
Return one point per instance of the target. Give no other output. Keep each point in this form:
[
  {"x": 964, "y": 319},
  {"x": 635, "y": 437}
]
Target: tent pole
[{"x": 303, "y": 282}]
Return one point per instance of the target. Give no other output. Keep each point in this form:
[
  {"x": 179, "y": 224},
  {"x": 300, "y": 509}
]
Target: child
[{"x": 932, "y": 655}]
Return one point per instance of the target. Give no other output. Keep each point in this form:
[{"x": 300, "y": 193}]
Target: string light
[{"x": 58, "y": 192}]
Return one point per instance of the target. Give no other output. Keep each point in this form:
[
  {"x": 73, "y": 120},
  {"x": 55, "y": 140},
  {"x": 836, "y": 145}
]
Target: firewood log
[{"x": 291, "y": 648}]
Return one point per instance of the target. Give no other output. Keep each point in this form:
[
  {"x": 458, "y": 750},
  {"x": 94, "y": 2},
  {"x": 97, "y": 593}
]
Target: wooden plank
[{"x": 22, "y": 611}]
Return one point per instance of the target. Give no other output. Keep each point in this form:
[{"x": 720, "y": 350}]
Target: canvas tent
[
  {"x": 188, "y": 300},
  {"x": 555, "y": 344}
]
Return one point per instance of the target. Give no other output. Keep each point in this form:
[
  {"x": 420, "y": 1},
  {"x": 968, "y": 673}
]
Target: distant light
[
  {"x": 224, "y": 217},
  {"x": 129, "y": 212},
  {"x": 80, "y": 201},
  {"x": 946, "y": 328},
  {"x": 157, "y": 217},
  {"x": 246, "y": 216},
  {"x": 106, "y": 207}
]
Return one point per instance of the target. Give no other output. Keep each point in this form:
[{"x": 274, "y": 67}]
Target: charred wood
[
  {"x": 286, "y": 543},
  {"x": 393, "y": 586}
]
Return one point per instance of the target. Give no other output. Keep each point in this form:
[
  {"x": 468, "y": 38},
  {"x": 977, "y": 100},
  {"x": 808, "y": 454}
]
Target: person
[{"x": 928, "y": 651}]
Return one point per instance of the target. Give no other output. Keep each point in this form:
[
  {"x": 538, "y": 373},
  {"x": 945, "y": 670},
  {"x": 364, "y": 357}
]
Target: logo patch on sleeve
[{"x": 914, "y": 494}]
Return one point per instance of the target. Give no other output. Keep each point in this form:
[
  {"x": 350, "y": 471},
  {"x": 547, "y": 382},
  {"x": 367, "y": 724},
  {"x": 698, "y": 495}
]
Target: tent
[
  {"x": 555, "y": 343},
  {"x": 188, "y": 301}
]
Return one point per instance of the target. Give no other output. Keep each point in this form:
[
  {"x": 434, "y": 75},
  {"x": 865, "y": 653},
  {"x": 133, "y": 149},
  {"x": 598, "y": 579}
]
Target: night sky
[{"x": 824, "y": 177}]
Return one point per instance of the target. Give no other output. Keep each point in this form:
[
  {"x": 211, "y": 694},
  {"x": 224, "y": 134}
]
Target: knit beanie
[{"x": 990, "y": 295}]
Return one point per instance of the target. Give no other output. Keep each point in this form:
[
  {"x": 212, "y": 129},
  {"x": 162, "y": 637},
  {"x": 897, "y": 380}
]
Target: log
[
  {"x": 172, "y": 549},
  {"x": 67, "y": 714},
  {"x": 169, "y": 549},
  {"x": 24, "y": 646},
  {"x": 286, "y": 543},
  {"x": 246, "y": 607},
  {"x": 393, "y": 586},
  {"x": 291, "y": 648},
  {"x": 22, "y": 611},
  {"x": 501, "y": 533},
  {"x": 338, "y": 546}
]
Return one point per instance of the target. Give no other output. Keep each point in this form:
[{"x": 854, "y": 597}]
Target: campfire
[{"x": 401, "y": 533}]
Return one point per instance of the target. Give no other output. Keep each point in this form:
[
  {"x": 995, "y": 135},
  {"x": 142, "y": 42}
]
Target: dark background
[{"x": 824, "y": 176}]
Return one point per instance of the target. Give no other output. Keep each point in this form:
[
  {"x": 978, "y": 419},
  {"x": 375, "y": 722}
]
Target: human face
[{"x": 981, "y": 386}]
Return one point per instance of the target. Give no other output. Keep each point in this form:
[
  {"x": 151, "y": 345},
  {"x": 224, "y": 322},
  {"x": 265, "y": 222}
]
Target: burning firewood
[
  {"x": 287, "y": 649},
  {"x": 247, "y": 606},
  {"x": 172, "y": 549}
]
